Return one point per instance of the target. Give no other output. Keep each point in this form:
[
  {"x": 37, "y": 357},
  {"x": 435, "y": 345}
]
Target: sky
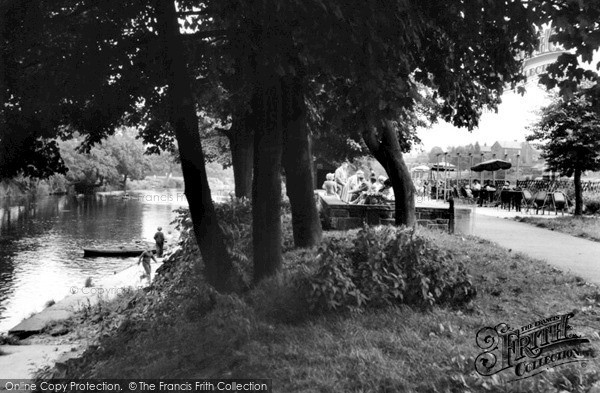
[{"x": 515, "y": 113}]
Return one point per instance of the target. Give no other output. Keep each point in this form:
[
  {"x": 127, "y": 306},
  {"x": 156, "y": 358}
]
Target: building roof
[
  {"x": 510, "y": 144},
  {"x": 485, "y": 149}
]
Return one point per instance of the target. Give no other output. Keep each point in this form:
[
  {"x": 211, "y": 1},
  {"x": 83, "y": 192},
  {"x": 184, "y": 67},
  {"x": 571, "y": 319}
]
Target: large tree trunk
[
  {"x": 298, "y": 164},
  {"x": 266, "y": 188},
  {"x": 578, "y": 193},
  {"x": 385, "y": 147},
  {"x": 242, "y": 154},
  {"x": 209, "y": 236}
]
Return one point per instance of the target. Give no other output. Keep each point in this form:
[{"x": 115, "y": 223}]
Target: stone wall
[{"x": 338, "y": 215}]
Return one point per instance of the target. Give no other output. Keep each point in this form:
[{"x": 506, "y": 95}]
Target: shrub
[
  {"x": 592, "y": 203},
  {"x": 384, "y": 266},
  {"x": 235, "y": 219}
]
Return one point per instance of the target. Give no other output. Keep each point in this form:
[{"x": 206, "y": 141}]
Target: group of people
[
  {"x": 356, "y": 189},
  {"x": 484, "y": 193}
]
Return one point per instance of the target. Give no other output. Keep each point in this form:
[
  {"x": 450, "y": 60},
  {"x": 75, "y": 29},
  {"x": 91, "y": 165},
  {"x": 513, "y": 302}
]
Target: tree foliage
[
  {"x": 569, "y": 133},
  {"x": 119, "y": 157},
  {"x": 577, "y": 29}
]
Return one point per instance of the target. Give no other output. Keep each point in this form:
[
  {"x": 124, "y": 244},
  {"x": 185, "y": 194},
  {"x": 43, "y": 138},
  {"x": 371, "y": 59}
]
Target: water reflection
[{"x": 41, "y": 242}]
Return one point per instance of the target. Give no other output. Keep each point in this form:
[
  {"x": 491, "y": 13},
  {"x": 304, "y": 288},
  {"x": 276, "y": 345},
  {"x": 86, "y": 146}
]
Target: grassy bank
[
  {"x": 587, "y": 227},
  {"x": 182, "y": 329}
]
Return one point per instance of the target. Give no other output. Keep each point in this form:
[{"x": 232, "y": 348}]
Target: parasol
[
  {"x": 421, "y": 168},
  {"x": 442, "y": 167},
  {"x": 491, "y": 165}
]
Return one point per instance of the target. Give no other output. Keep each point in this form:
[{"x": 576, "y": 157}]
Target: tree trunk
[
  {"x": 208, "y": 233},
  {"x": 385, "y": 147},
  {"x": 125, "y": 183},
  {"x": 266, "y": 188},
  {"x": 578, "y": 193},
  {"x": 242, "y": 155},
  {"x": 298, "y": 164}
]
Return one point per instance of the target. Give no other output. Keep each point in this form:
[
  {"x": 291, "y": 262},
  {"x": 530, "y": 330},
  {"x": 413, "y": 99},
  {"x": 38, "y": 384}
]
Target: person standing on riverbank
[
  {"x": 144, "y": 259},
  {"x": 159, "y": 238}
]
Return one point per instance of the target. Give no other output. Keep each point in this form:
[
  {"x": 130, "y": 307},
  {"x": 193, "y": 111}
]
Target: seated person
[
  {"x": 476, "y": 188},
  {"x": 380, "y": 181},
  {"x": 360, "y": 187},
  {"x": 375, "y": 185},
  {"x": 466, "y": 192},
  {"x": 489, "y": 187},
  {"x": 387, "y": 191},
  {"x": 330, "y": 186},
  {"x": 490, "y": 190}
]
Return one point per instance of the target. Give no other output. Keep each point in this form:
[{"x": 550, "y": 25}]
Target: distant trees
[
  {"x": 119, "y": 158},
  {"x": 128, "y": 153},
  {"x": 569, "y": 133}
]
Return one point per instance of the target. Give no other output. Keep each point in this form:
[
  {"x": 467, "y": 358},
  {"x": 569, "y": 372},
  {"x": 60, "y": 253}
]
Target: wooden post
[
  {"x": 458, "y": 169},
  {"x": 517, "y": 173},
  {"x": 470, "y": 171},
  {"x": 481, "y": 176},
  {"x": 445, "y": 174},
  {"x": 437, "y": 175}
]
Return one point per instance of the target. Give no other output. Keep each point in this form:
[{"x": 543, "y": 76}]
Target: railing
[{"x": 566, "y": 186}]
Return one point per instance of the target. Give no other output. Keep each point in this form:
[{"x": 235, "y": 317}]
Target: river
[{"x": 41, "y": 242}]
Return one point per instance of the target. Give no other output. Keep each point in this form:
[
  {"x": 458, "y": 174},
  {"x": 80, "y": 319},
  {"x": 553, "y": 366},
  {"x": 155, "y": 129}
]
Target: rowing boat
[{"x": 120, "y": 251}]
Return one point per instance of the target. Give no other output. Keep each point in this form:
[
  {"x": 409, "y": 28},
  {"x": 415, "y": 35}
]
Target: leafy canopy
[{"x": 569, "y": 132}]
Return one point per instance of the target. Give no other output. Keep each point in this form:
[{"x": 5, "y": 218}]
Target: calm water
[{"x": 41, "y": 243}]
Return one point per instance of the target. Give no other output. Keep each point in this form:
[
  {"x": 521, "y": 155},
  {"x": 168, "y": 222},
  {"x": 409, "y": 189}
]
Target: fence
[{"x": 566, "y": 186}]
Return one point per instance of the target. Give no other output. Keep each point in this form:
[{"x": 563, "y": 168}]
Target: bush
[
  {"x": 235, "y": 219},
  {"x": 591, "y": 203},
  {"x": 385, "y": 266}
]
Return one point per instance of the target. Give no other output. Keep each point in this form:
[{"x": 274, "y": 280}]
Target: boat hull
[{"x": 113, "y": 252}]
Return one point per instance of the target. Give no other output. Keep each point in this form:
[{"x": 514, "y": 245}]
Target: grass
[
  {"x": 582, "y": 226},
  {"x": 270, "y": 333}
]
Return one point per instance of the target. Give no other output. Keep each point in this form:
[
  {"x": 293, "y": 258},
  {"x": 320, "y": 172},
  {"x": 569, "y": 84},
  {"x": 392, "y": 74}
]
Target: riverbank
[
  {"x": 183, "y": 329},
  {"x": 67, "y": 328}
]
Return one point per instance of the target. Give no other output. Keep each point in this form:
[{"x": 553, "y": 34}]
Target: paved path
[{"x": 569, "y": 253}]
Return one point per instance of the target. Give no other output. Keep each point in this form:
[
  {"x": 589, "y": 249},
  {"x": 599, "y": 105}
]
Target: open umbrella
[
  {"x": 491, "y": 165},
  {"x": 421, "y": 168},
  {"x": 442, "y": 167}
]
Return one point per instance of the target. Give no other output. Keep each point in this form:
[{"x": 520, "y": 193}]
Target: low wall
[{"x": 338, "y": 215}]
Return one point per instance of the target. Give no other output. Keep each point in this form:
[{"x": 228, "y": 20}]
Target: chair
[
  {"x": 559, "y": 200},
  {"x": 539, "y": 201},
  {"x": 527, "y": 199}
]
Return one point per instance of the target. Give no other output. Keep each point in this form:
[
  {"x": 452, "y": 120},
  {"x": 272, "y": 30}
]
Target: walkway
[{"x": 569, "y": 253}]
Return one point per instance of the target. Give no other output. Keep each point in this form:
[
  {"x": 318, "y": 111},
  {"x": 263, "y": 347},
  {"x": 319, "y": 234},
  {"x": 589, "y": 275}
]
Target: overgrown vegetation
[
  {"x": 591, "y": 202},
  {"x": 183, "y": 328},
  {"x": 386, "y": 266}
]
